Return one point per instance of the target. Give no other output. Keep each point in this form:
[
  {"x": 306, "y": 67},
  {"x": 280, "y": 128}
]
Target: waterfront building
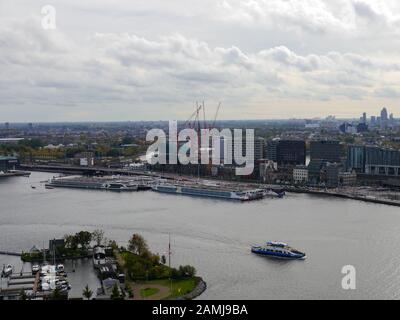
[
  {"x": 291, "y": 152},
  {"x": 315, "y": 167},
  {"x": 8, "y": 163},
  {"x": 300, "y": 174},
  {"x": 332, "y": 174},
  {"x": 356, "y": 158},
  {"x": 271, "y": 150},
  {"x": 259, "y": 148},
  {"x": 330, "y": 151},
  {"x": 380, "y": 161},
  {"x": 347, "y": 178},
  {"x": 373, "y": 160}
]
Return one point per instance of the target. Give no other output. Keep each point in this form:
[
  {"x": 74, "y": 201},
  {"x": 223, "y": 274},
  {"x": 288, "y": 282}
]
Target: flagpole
[{"x": 169, "y": 262}]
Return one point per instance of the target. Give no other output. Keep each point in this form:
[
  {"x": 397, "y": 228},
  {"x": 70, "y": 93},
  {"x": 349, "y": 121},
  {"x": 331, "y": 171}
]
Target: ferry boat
[
  {"x": 199, "y": 190},
  {"x": 95, "y": 184},
  {"x": 278, "y": 250}
]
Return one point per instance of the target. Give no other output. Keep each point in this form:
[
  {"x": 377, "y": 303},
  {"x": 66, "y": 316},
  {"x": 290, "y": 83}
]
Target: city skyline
[{"x": 262, "y": 59}]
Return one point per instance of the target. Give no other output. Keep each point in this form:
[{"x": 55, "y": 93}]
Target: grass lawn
[
  {"x": 179, "y": 287},
  {"x": 147, "y": 292}
]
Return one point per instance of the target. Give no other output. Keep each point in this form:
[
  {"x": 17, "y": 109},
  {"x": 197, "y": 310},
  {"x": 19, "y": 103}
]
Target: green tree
[
  {"x": 87, "y": 293},
  {"x": 71, "y": 242},
  {"x": 115, "y": 294},
  {"x": 22, "y": 295},
  {"x": 57, "y": 295},
  {"x": 187, "y": 271},
  {"x": 83, "y": 238},
  {"x": 163, "y": 259},
  {"x": 98, "y": 236},
  {"x": 137, "y": 244}
]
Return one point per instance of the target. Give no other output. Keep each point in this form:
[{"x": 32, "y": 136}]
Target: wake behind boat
[{"x": 278, "y": 250}]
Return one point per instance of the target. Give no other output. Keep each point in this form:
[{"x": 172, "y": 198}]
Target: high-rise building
[
  {"x": 384, "y": 114},
  {"x": 291, "y": 152},
  {"x": 384, "y": 118},
  {"x": 326, "y": 150}
]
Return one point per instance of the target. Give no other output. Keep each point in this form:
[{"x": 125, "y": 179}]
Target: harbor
[
  {"x": 209, "y": 233},
  {"x": 97, "y": 256},
  {"x": 173, "y": 185}
]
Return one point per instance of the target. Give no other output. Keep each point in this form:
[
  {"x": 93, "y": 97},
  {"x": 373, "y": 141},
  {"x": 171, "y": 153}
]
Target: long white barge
[{"x": 210, "y": 191}]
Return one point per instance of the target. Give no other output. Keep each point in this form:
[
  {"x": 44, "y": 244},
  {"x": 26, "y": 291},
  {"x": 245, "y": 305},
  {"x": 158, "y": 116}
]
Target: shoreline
[
  {"x": 285, "y": 188},
  {"x": 344, "y": 196},
  {"x": 198, "y": 290}
]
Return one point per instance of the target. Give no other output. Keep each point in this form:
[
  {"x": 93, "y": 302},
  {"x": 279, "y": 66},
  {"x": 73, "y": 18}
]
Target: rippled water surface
[{"x": 215, "y": 236}]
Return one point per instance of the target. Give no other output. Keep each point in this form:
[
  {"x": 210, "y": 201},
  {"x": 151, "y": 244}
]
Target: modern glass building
[
  {"x": 382, "y": 161},
  {"x": 291, "y": 152},
  {"x": 8, "y": 163},
  {"x": 330, "y": 151},
  {"x": 373, "y": 160},
  {"x": 356, "y": 158}
]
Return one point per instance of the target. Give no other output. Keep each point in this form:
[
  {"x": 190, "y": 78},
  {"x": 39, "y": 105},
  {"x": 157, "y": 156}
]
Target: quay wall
[
  {"x": 344, "y": 196},
  {"x": 197, "y": 291}
]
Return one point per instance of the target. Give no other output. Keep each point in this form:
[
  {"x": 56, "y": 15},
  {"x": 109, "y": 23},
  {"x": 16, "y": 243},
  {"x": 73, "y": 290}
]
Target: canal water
[{"x": 215, "y": 236}]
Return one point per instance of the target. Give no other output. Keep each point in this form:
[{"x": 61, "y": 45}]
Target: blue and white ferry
[{"x": 278, "y": 250}]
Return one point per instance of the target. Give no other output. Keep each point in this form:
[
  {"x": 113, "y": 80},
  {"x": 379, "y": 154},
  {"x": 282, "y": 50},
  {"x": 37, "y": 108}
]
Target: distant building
[
  {"x": 300, "y": 174},
  {"x": 330, "y": 151},
  {"x": 86, "y": 159},
  {"x": 259, "y": 148},
  {"x": 10, "y": 140},
  {"x": 356, "y": 158},
  {"x": 332, "y": 174},
  {"x": 364, "y": 118},
  {"x": 362, "y": 127},
  {"x": 291, "y": 152},
  {"x": 348, "y": 128},
  {"x": 347, "y": 179},
  {"x": 271, "y": 150},
  {"x": 314, "y": 170},
  {"x": 384, "y": 118},
  {"x": 380, "y": 161},
  {"x": 373, "y": 160},
  {"x": 8, "y": 163}
]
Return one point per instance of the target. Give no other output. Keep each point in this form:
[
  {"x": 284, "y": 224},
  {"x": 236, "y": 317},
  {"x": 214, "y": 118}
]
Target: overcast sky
[{"x": 151, "y": 60}]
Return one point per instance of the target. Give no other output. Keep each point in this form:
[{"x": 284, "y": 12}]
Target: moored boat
[
  {"x": 278, "y": 250},
  {"x": 7, "y": 270},
  {"x": 209, "y": 191}
]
